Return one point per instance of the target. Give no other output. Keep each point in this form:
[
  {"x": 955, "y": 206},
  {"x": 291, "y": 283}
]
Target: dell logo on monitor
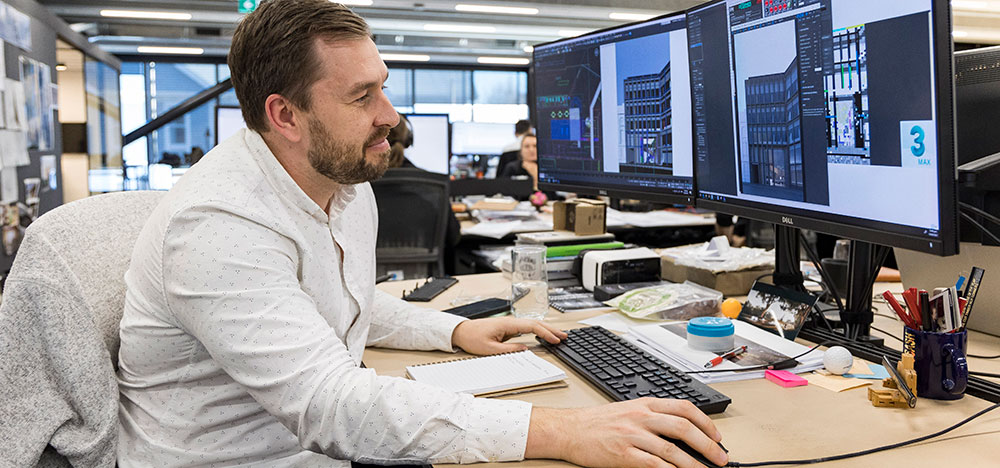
[{"x": 787, "y": 220}]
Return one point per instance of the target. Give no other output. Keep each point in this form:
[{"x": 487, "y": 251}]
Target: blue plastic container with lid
[{"x": 716, "y": 334}]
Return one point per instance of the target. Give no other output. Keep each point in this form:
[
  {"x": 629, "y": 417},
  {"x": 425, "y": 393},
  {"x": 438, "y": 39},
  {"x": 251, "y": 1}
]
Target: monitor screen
[
  {"x": 832, "y": 115},
  {"x": 480, "y": 138},
  {"x": 431, "y": 148},
  {"x": 613, "y": 112}
]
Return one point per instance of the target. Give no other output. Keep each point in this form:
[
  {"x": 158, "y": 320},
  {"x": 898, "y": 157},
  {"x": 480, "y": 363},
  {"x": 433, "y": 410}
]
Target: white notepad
[{"x": 488, "y": 374}]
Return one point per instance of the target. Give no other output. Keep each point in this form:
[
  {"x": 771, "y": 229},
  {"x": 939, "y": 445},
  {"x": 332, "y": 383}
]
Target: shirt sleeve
[
  {"x": 401, "y": 325},
  {"x": 245, "y": 305}
]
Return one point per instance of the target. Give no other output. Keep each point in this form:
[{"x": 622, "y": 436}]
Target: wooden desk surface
[{"x": 766, "y": 422}]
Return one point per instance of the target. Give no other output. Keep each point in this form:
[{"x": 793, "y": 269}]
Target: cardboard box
[
  {"x": 730, "y": 283},
  {"x": 581, "y": 215}
]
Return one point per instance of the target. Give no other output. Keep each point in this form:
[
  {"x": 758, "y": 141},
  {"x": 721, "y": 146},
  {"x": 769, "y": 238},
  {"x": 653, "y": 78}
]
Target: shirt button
[{"x": 493, "y": 459}]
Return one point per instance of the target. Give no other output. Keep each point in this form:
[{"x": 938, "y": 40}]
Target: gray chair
[
  {"x": 61, "y": 307},
  {"x": 413, "y": 212}
]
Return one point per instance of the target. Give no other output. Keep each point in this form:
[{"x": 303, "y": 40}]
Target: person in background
[
  {"x": 509, "y": 153},
  {"x": 526, "y": 163}
]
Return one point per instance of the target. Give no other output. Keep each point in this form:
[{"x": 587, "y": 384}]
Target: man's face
[{"x": 350, "y": 115}]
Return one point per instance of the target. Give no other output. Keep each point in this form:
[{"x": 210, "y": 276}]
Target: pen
[
  {"x": 959, "y": 283},
  {"x": 729, "y": 354},
  {"x": 925, "y": 311},
  {"x": 913, "y": 305}
]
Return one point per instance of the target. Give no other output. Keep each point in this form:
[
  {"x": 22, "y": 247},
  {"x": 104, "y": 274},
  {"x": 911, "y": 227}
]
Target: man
[
  {"x": 521, "y": 128},
  {"x": 250, "y": 295}
]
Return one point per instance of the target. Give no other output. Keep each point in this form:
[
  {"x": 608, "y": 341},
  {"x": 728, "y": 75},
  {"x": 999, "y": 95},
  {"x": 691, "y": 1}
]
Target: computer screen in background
[
  {"x": 480, "y": 138},
  {"x": 228, "y": 120},
  {"x": 833, "y": 115},
  {"x": 613, "y": 112},
  {"x": 431, "y": 148}
]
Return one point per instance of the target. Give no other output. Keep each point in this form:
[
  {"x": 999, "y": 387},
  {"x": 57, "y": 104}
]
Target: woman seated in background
[{"x": 526, "y": 163}]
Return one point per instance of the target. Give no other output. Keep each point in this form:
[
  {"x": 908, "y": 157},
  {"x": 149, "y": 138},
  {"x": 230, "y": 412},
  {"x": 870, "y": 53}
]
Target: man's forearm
[{"x": 545, "y": 433}]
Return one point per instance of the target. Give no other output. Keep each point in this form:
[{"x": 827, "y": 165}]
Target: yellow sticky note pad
[{"x": 836, "y": 383}]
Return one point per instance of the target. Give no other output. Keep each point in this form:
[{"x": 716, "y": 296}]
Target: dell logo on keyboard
[{"x": 787, "y": 220}]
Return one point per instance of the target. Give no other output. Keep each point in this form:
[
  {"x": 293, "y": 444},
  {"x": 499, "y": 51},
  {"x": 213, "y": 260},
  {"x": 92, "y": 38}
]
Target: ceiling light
[
  {"x": 146, "y": 14},
  {"x": 528, "y": 49},
  {"x": 570, "y": 32},
  {"x": 460, "y": 28},
  {"x": 61, "y": 67},
  {"x": 170, "y": 50},
  {"x": 959, "y": 34},
  {"x": 496, "y": 9},
  {"x": 353, "y": 2},
  {"x": 615, "y": 15},
  {"x": 504, "y": 60},
  {"x": 405, "y": 57}
]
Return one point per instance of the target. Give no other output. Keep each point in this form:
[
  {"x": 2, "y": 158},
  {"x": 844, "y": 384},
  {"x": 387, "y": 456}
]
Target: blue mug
[{"x": 939, "y": 359}]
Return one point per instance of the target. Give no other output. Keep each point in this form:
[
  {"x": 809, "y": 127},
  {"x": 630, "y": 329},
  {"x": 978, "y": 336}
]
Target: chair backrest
[
  {"x": 413, "y": 210},
  {"x": 507, "y": 158},
  {"x": 93, "y": 238}
]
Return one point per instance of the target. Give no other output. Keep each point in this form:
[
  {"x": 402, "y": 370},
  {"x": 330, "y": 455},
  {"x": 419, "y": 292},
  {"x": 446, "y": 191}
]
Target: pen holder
[{"x": 939, "y": 359}]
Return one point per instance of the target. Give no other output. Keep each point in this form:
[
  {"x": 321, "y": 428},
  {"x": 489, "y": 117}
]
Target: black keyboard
[{"x": 625, "y": 372}]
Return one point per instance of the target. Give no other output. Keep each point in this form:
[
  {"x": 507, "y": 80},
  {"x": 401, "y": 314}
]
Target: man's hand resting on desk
[
  {"x": 488, "y": 335},
  {"x": 624, "y": 434}
]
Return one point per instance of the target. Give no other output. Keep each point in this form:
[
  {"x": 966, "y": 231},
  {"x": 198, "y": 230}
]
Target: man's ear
[{"x": 285, "y": 118}]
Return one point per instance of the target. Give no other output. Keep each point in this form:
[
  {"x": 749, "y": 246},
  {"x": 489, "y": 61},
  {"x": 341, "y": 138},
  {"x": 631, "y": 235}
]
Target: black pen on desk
[{"x": 728, "y": 355}]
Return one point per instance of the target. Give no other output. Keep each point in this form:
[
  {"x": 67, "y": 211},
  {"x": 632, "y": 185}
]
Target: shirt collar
[{"x": 286, "y": 186}]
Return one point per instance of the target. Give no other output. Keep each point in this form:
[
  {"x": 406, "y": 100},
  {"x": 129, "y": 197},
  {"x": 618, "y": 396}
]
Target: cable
[
  {"x": 985, "y": 374},
  {"x": 769, "y": 366},
  {"x": 981, "y": 227},
  {"x": 890, "y": 335},
  {"x": 983, "y": 357},
  {"x": 866, "y": 452},
  {"x": 975, "y": 209},
  {"x": 813, "y": 257}
]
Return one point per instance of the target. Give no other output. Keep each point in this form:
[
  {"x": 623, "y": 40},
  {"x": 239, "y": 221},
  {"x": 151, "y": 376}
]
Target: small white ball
[{"x": 838, "y": 360}]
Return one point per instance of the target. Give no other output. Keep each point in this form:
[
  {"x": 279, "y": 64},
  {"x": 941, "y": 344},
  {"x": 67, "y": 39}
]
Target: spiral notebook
[{"x": 488, "y": 374}]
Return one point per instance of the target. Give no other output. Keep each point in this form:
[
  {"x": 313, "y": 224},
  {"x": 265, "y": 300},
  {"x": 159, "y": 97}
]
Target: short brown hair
[{"x": 272, "y": 51}]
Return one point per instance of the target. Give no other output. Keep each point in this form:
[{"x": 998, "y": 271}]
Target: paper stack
[{"x": 668, "y": 341}]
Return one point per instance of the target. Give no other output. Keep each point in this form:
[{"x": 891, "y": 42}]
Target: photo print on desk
[
  {"x": 756, "y": 354},
  {"x": 778, "y": 310}
]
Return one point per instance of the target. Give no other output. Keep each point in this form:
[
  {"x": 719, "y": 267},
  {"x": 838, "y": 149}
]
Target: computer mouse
[{"x": 696, "y": 454}]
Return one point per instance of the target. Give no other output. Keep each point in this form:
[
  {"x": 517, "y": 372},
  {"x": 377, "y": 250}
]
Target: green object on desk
[{"x": 574, "y": 250}]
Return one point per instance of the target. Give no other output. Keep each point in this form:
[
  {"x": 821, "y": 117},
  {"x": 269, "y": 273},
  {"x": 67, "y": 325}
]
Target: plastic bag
[{"x": 669, "y": 302}]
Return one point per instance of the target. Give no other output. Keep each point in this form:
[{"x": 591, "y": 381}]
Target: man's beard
[{"x": 342, "y": 162}]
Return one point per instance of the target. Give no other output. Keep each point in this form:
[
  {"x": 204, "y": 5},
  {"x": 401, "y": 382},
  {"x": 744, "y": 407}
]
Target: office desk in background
[
  {"x": 657, "y": 229},
  {"x": 766, "y": 422}
]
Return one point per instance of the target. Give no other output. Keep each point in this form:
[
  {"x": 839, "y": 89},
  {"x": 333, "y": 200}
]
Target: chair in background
[
  {"x": 507, "y": 158},
  {"x": 413, "y": 211},
  {"x": 62, "y": 305}
]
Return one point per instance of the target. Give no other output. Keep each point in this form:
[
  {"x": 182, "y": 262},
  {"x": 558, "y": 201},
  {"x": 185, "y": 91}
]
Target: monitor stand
[{"x": 865, "y": 260}]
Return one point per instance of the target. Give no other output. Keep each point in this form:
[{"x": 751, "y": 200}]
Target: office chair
[
  {"x": 507, "y": 158},
  {"x": 62, "y": 304},
  {"x": 413, "y": 211}
]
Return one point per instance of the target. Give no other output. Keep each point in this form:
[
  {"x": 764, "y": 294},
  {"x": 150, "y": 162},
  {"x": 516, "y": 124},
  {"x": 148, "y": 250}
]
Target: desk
[
  {"x": 657, "y": 229},
  {"x": 766, "y": 422}
]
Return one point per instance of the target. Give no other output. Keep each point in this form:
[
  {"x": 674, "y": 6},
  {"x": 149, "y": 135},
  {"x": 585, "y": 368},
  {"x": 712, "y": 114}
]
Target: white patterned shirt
[{"x": 248, "y": 308}]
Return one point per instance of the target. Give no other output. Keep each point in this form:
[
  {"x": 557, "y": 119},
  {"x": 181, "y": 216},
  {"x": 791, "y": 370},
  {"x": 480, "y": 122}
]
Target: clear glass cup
[{"x": 529, "y": 280}]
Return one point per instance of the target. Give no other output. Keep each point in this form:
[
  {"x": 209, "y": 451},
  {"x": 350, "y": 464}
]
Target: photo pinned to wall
[
  {"x": 32, "y": 187},
  {"x": 11, "y": 231},
  {"x": 778, "y": 310},
  {"x": 13, "y": 149},
  {"x": 16, "y": 26},
  {"x": 8, "y": 184},
  {"x": 50, "y": 179},
  {"x": 15, "y": 108},
  {"x": 35, "y": 77}
]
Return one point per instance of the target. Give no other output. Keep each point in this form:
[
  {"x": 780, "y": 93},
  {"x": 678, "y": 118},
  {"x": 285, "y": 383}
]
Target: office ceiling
[{"x": 432, "y": 28}]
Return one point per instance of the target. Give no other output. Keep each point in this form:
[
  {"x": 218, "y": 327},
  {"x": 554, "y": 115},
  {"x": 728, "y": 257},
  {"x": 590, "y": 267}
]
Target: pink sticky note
[{"x": 784, "y": 378}]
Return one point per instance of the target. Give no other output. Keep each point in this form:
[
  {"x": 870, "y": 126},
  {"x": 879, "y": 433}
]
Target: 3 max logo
[
  {"x": 787, "y": 220},
  {"x": 919, "y": 148}
]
